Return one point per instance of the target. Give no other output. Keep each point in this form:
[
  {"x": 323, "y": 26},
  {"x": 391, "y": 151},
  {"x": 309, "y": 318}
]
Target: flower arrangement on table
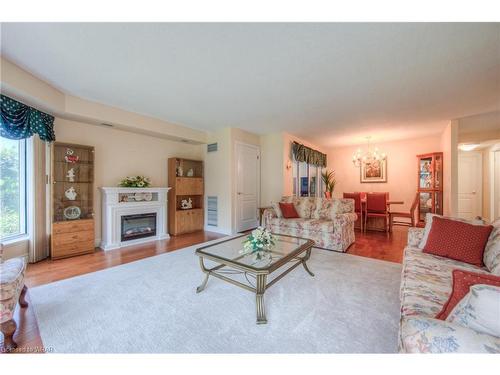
[
  {"x": 136, "y": 182},
  {"x": 258, "y": 241}
]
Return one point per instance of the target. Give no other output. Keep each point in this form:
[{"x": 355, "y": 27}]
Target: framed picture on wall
[{"x": 373, "y": 171}]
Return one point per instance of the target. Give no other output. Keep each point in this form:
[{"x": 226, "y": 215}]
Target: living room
[{"x": 336, "y": 171}]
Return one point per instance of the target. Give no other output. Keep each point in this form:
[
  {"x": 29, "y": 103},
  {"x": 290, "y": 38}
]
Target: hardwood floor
[
  {"x": 372, "y": 244},
  {"x": 380, "y": 245}
]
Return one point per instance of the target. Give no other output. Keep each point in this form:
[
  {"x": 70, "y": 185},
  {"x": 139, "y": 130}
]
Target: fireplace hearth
[{"x": 138, "y": 226}]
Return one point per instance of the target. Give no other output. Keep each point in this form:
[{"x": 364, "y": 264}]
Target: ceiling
[{"x": 331, "y": 84}]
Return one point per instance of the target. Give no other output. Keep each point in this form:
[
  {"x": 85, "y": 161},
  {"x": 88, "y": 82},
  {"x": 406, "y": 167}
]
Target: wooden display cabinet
[
  {"x": 429, "y": 185},
  {"x": 185, "y": 177},
  {"x": 72, "y": 200}
]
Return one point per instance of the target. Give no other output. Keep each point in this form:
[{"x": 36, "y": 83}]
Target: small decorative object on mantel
[
  {"x": 135, "y": 182},
  {"x": 259, "y": 242},
  {"x": 186, "y": 204}
]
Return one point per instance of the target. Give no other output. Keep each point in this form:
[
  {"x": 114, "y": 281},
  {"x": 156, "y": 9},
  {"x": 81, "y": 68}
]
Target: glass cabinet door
[
  {"x": 425, "y": 179},
  {"x": 425, "y": 204},
  {"x": 73, "y": 179}
]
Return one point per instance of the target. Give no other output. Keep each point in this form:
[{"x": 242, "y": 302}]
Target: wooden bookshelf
[{"x": 185, "y": 177}]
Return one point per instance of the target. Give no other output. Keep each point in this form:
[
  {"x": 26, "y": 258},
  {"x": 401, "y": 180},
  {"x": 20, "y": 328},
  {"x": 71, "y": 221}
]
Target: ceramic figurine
[
  {"x": 71, "y": 175},
  {"x": 70, "y": 157},
  {"x": 190, "y": 172},
  {"x": 70, "y": 193},
  {"x": 180, "y": 172}
]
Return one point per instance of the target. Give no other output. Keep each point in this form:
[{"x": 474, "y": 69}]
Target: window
[
  {"x": 306, "y": 180},
  {"x": 12, "y": 188}
]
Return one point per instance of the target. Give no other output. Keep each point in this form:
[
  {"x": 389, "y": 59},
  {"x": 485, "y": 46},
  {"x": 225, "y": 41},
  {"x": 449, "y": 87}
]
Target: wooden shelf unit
[
  {"x": 185, "y": 187},
  {"x": 72, "y": 236}
]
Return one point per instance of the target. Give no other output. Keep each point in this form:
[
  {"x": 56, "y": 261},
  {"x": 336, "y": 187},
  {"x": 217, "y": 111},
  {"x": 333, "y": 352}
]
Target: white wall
[
  {"x": 120, "y": 153},
  {"x": 401, "y": 168},
  {"x": 220, "y": 174},
  {"x": 271, "y": 168}
]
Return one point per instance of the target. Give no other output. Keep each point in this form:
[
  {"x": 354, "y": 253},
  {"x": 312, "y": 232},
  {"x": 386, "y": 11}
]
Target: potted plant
[{"x": 329, "y": 181}]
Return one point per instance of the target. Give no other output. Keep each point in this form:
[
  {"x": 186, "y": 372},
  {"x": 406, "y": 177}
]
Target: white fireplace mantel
[{"x": 113, "y": 210}]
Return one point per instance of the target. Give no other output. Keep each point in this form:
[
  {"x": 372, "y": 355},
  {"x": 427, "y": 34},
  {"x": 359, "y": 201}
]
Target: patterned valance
[
  {"x": 19, "y": 121},
  {"x": 308, "y": 155}
]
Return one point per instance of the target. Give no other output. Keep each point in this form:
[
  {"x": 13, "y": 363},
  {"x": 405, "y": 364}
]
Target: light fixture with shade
[
  {"x": 360, "y": 157},
  {"x": 467, "y": 146}
]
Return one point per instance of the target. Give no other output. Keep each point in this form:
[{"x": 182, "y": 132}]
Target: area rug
[{"x": 150, "y": 306}]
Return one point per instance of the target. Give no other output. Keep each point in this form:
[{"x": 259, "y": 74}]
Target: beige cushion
[
  {"x": 479, "y": 310},
  {"x": 277, "y": 209},
  {"x": 303, "y": 205},
  {"x": 491, "y": 257}
]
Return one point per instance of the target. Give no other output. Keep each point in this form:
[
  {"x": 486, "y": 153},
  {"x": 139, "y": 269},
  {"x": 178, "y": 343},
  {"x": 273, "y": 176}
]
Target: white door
[
  {"x": 470, "y": 184},
  {"x": 247, "y": 186}
]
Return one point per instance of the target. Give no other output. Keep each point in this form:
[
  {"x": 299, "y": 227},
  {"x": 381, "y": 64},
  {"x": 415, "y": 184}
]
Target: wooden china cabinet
[
  {"x": 72, "y": 200},
  {"x": 430, "y": 185}
]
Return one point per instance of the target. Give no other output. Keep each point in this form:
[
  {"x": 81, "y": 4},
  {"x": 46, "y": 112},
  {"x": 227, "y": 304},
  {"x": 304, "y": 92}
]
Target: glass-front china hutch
[
  {"x": 72, "y": 200},
  {"x": 430, "y": 185}
]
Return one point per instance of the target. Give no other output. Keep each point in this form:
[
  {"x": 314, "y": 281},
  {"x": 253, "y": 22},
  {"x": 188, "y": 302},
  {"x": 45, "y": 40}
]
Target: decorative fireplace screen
[{"x": 138, "y": 226}]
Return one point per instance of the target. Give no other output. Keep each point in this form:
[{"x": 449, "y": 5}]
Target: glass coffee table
[{"x": 251, "y": 271}]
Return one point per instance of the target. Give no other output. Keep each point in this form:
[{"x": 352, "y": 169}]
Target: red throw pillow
[
  {"x": 288, "y": 211},
  {"x": 458, "y": 240},
  {"x": 462, "y": 281}
]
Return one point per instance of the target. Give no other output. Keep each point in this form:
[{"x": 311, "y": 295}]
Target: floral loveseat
[
  {"x": 328, "y": 222},
  {"x": 426, "y": 284}
]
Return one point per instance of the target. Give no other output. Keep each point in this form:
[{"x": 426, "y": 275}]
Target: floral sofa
[
  {"x": 328, "y": 222},
  {"x": 426, "y": 284}
]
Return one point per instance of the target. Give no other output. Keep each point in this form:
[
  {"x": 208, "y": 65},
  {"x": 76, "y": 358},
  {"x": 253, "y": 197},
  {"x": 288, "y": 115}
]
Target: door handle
[
  {"x": 474, "y": 192},
  {"x": 239, "y": 193}
]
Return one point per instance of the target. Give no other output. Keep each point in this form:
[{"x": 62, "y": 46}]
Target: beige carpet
[{"x": 150, "y": 306}]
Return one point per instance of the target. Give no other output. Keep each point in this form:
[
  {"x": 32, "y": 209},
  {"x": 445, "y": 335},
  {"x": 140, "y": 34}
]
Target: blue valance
[{"x": 19, "y": 121}]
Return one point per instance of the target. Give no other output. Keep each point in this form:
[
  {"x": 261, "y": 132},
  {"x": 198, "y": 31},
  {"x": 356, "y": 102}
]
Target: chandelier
[{"x": 360, "y": 157}]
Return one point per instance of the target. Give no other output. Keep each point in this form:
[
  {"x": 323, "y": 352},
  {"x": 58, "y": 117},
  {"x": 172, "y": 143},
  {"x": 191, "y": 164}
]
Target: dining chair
[
  {"x": 358, "y": 207},
  {"x": 376, "y": 206},
  {"x": 404, "y": 215}
]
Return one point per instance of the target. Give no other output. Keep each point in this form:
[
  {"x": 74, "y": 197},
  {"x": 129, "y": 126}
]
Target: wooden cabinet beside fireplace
[
  {"x": 72, "y": 200},
  {"x": 185, "y": 177}
]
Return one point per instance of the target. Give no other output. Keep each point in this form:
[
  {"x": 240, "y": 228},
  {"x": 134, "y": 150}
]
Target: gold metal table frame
[{"x": 297, "y": 257}]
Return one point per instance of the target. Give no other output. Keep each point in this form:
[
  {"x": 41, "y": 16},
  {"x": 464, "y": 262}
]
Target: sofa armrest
[
  {"x": 340, "y": 220},
  {"x": 428, "y": 335},
  {"x": 415, "y": 235}
]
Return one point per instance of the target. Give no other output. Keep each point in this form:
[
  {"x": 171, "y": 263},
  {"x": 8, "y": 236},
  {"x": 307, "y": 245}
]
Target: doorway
[
  {"x": 247, "y": 194},
  {"x": 470, "y": 184}
]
